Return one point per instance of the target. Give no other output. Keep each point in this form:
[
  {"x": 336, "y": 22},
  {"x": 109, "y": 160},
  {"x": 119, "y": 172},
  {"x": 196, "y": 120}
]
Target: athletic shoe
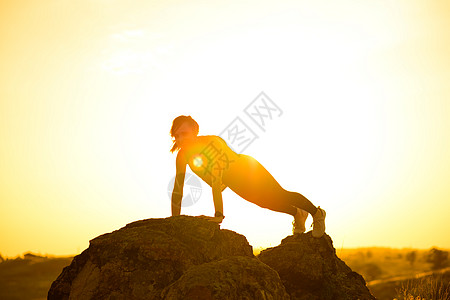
[
  {"x": 299, "y": 221},
  {"x": 319, "y": 223}
]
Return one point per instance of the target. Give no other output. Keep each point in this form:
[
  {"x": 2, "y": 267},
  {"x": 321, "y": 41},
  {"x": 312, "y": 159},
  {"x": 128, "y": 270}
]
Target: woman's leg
[
  {"x": 250, "y": 180},
  {"x": 300, "y": 201}
]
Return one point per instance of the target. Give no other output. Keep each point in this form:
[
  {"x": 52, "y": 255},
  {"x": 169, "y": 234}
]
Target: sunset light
[{"x": 89, "y": 90}]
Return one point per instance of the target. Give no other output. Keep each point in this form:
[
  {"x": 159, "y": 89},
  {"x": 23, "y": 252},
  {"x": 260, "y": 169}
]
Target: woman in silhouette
[{"x": 219, "y": 166}]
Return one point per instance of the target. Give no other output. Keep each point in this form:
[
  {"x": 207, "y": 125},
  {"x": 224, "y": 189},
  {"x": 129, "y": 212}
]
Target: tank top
[{"x": 210, "y": 157}]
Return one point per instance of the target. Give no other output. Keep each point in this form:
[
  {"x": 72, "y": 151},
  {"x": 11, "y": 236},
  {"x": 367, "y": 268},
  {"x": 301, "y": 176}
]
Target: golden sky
[{"x": 88, "y": 91}]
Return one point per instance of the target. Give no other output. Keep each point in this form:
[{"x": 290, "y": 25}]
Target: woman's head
[{"x": 183, "y": 129}]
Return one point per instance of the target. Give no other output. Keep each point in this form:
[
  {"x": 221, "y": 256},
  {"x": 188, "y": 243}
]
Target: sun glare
[{"x": 198, "y": 161}]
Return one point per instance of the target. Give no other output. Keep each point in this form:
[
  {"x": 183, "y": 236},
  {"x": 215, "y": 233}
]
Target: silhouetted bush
[{"x": 438, "y": 258}]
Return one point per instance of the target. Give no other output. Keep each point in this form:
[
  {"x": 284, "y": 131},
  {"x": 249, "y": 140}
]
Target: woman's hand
[{"x": 217, "y": 220}]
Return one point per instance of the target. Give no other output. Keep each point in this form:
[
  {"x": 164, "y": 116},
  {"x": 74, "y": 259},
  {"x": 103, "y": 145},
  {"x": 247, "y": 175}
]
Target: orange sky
[{"x": 88, "y": 91}]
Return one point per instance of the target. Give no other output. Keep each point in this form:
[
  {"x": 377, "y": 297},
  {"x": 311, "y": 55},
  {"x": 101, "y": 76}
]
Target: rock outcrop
[
  {"x": 191, "y": 258},
  {"x": 310, "y": 269}
]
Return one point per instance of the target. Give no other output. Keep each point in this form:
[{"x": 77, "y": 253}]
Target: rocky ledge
[{"x": 191, "y": 258}]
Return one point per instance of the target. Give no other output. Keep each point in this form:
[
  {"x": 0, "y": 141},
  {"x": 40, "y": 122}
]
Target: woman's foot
[
  {"x": 299, "y": 221},
  {"x": 318, "y": 223}
]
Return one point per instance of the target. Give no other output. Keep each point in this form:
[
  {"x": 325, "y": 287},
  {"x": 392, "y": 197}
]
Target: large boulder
[
  {"x": 147, "y": 257},
  {"x": 236, "y": 277},
  {"x": 310, "y": 269}
]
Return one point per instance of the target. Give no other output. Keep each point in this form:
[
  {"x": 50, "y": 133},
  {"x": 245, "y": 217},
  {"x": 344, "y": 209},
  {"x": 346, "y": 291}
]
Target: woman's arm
[
  {"x": 177, "y": 194},
  {"x": 217, "y": 197}
]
